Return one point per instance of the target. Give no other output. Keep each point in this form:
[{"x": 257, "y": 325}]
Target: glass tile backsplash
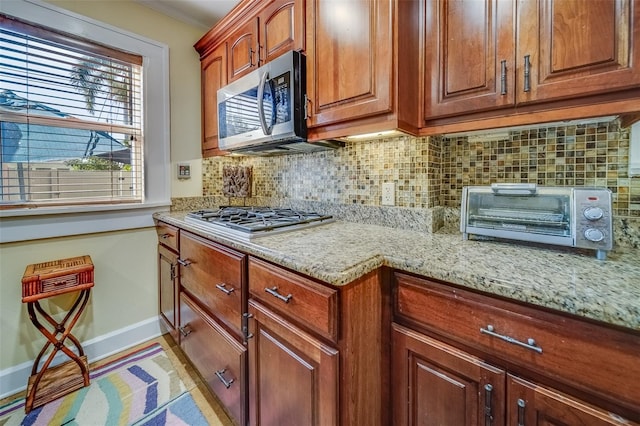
[{"x": 431, "y": 171}]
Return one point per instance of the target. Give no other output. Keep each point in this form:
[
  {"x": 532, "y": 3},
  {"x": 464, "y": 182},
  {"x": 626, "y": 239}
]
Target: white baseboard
[{"x": 14, "y": 379}]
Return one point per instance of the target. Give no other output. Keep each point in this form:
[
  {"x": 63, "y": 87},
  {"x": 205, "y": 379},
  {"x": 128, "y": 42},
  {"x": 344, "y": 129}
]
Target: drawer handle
[
  {"x": 219, "y": 373},
  {"x": 521, "y": 405},
  {"x": 165, "y": 236},
  {"x": 223, "y": 289},
  {"x": 274, "y": 292},
  {"x": 531, "y": 344},
  {"x": 488, "y": 411},
  {"x": 184, "y": 263},
  {"x": 185, "y": 330}
]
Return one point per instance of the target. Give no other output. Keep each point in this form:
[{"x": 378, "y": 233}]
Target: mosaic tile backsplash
[{"x": 431, "y": 172}]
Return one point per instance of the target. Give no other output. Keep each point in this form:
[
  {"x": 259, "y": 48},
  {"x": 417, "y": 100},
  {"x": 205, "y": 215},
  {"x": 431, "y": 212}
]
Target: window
[
  {"x": 70, "y": 122},
  {"x": 84, "y": 125}
]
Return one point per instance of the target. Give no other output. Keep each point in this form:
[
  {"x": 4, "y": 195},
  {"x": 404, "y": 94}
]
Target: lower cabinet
[
  {"x": 293, "y": 377},
  {"x": 168, "y": 290},
  {"x": 462, "y": 358},
  {"x": 217, "y": 356},
  {"x": 436, "y": 384}
]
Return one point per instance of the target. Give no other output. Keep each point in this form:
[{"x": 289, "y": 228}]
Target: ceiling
[{"x": 201, "y": 13}]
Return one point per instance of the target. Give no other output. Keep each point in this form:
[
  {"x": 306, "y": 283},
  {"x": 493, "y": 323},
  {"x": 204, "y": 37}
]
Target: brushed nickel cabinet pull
[
  {"x": 222, "y": 287},
  {"x": 527, "y": 73},
  {"x": 274, "y": 292},
  {"x": 521, "y": 405},
  {"x": 245, "y": 325},
  {"x": 227, "y": 384},
  {"x": 165, "y": 236},
  {"x": 530, "y": 344},
  {"x": 185, "y": 330},
  {"x": 183, "y": 262},
  {"x": 488, "y": 414},
  {"x": 306, "y": 107},
  {"x": 173, "y": 271},
  {"x": 503, "y": 77}
]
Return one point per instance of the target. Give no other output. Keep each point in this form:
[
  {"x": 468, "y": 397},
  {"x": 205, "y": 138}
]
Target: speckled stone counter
[{"x": 561, "y": 279}]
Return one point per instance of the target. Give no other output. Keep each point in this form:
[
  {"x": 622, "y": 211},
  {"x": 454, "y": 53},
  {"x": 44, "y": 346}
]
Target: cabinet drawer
[
  {"x": 219, "y": 358},
  {"x": 213, "y": 274},
  {"x": 168, "y": 235},
  {"x": 563, "y": 348},
  {"x": 312, "y": 305}
]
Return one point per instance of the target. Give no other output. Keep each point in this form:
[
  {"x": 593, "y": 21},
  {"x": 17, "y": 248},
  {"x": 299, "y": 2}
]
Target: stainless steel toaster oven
[{"x": 567, "y": 216}]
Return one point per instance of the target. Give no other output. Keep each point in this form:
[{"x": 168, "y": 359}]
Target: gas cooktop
[{"x": 246, "y": 223}]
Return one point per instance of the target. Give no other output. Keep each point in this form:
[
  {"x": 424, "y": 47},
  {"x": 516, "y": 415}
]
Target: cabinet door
[
  {"x": 530, "y": 404},
  {"x": 469, "y": 56},
  {"x": 168, "y": 289},
  {"x": 281, "y": 28},
  {"x": 349, "y": 59},
  {"x": 293, "y": 375},
  {"x": 214, "y": 76},
  {"x": 436, "y": 384},
  {"x": 242, "y": 48},
  {"x": 577, "y": 48},
  {"x": 219, "y": 358}
]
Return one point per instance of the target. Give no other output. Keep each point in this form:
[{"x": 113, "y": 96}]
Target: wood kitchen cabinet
[
  {"x": 349, "y": 59},
  {"x": 213, "y": 299},
  {"x": 317, "y": 355},
  {"x": 551, "y": 60},
  {"x": 168, "y": 284},
  {"x": 576, "y": 50},
  {"x": 276, "y": 29},
  {"x": 294, "y": 377},
  {"x": 469, "y": 56},
  {"x": 450, "y": 343},
  {"x": 213, "y": 77}
]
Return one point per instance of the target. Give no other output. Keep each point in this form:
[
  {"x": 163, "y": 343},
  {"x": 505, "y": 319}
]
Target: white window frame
[{"x": 46, "y": 222}]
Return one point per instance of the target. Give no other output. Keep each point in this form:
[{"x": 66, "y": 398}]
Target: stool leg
[{"x": 58, "y": 343}]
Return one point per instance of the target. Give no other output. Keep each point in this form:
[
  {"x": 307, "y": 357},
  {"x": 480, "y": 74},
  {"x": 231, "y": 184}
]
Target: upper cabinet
[
  {"x": 349, "y": 59},
  {"x": 243, "y": 50},
  {"x": 554, "y": 59},
  {"x": 282, "y": 28},
  {"x": 276, "y": 29},
  {"x": 213, "y": 76},
  {"x": 565, "y": 50},
  {"x": 469, "y": 48}
]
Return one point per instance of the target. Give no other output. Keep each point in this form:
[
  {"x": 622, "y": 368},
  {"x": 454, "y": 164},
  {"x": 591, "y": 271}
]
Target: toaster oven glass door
[{"x": 535, "y": 214}]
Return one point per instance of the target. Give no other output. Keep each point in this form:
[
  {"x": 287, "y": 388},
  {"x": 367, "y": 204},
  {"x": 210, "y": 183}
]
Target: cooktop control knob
[
  {"x": 593, "y": 213},
  {"x": 593, "y": 234}
]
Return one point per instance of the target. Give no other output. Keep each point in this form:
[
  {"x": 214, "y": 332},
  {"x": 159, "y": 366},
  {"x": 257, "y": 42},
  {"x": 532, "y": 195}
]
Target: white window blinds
[{"x": 70, "y": 120}]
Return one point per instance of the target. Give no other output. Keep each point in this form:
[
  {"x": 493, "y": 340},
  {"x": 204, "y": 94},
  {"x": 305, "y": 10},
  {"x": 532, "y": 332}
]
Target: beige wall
[
  {"x": 125, "y": 288},
  {"x": 125, "y": 262}
]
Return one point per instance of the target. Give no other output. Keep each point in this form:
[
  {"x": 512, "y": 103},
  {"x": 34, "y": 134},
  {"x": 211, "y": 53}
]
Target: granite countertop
[{"x": 562, "y": 279}]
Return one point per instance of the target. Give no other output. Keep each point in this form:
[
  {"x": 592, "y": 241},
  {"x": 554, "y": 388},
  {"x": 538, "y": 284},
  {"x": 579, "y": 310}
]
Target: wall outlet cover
[
  {"x": 388, "y": 194},
  {"x": 184, "y": 171}
]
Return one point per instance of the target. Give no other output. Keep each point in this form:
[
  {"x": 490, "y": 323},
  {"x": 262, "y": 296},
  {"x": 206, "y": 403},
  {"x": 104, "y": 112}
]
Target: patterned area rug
[{"x": 141, "y": 388}]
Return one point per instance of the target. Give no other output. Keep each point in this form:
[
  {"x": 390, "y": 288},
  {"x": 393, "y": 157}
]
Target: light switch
[{"x": 184, "y": 171}]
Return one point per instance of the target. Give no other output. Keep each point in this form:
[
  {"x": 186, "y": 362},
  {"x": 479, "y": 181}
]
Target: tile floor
[{"x": 208, "y": 403}]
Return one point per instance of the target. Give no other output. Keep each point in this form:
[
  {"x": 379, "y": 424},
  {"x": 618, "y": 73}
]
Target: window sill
[{"x": 33, "y": 224}]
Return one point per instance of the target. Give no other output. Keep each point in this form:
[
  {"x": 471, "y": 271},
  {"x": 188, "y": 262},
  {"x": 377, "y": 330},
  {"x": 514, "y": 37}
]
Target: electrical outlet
[{"x": 388, "y": 194}]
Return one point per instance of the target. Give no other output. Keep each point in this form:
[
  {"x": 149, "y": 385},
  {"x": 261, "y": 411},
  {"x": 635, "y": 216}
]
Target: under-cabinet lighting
[
  {"x": 634, "y": 150},
  {"x": 375, "y": 135}
]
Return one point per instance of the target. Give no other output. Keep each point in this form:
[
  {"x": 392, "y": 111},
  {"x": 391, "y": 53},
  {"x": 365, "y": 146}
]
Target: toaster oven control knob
[
  {"x": 593, "y": 234},
  {"x": 593, "y": 213}
]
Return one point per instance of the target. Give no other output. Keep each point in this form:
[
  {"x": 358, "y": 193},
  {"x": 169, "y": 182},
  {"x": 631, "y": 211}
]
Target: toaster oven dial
[
  {"x": 593, "y": 213},
  {"x": 593, "y": 234}
]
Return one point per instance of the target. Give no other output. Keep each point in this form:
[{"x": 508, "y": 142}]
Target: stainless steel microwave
[
  {"x": 263, "y": 112},
  {"x": 568, "y": 216}
]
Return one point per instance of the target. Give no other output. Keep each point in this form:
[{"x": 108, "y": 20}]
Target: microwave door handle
[{"x": 263, "y": 120}]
